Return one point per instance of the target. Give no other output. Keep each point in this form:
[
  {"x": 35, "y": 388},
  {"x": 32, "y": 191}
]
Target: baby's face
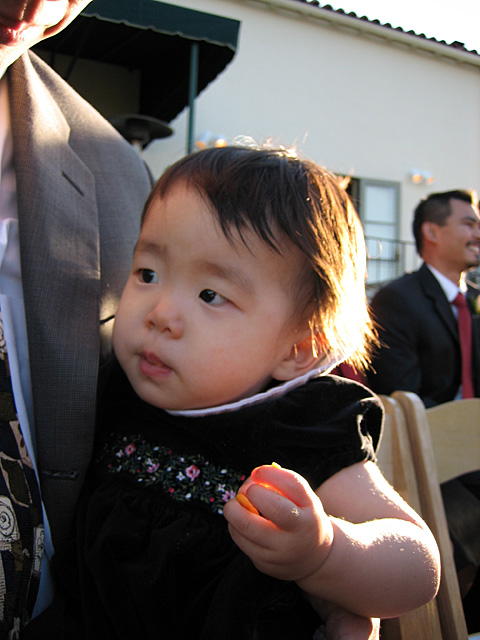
[{"x": 203, "y": 321}]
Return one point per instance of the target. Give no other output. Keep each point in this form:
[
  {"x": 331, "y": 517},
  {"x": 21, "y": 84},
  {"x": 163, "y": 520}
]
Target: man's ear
[
  {"x": 429, "y": 230},
  {"x": 301, "y": 359}
]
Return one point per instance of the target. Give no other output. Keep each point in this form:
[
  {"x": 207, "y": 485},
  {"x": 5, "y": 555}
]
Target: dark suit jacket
[
  {"x": 80, "y": 192},
  {"x": 419, "y": 334}
]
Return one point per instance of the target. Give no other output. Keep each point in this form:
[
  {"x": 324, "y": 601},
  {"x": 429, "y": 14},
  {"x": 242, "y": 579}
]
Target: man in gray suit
[{"x": 71, "y": 194}]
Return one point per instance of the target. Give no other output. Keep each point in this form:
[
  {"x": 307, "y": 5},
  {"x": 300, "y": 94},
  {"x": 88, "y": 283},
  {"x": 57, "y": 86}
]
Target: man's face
[
  {"x": 458, "y": 241},
  {"x": 24, "y": 23}
]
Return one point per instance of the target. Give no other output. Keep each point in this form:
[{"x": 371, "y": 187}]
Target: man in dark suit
[
  {"x": 71, "y": 195},
  {"x": 417, "y": 324},
  {"x": 420, "y": 334}
]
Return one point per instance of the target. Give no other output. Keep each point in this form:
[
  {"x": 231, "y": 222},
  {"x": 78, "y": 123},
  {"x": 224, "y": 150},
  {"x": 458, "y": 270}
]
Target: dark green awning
[
  {"x": 168, "y": 19},
  {"x": 155, "y": 38}
]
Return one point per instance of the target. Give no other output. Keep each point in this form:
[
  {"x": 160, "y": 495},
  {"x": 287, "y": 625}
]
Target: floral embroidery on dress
[{"x": 183, "y": 477}]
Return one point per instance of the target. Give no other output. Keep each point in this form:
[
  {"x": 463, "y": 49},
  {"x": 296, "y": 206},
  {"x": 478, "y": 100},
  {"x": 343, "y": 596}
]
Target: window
[{"x": 378, "y": 204}]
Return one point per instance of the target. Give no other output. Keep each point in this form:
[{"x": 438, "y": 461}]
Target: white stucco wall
[{"x": 358, "y": 104}]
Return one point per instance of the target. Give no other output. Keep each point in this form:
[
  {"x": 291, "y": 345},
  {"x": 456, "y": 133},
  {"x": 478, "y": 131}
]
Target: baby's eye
[
  {"x": 212, "y": 297},
  {"x": 148, "y": 276}
]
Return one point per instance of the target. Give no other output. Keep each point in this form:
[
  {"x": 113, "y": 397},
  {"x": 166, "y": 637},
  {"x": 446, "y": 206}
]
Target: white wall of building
[{"x": 357, "y": 102}]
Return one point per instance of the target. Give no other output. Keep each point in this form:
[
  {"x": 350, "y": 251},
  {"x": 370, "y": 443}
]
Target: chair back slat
[
  {"x": 455, "y": 432},
  {"x": 450, "y": 607},
  {"x": 395, "y": 460}
]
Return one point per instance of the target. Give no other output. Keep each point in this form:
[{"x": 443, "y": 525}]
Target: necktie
[
  {"x": 465, "y": 335},
  {"x": 21, "y": 523}
]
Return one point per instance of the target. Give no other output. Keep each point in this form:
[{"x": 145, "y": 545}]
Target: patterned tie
[
  {"x": 465, "y": 335},
  {"x": 21, "y": 523}
]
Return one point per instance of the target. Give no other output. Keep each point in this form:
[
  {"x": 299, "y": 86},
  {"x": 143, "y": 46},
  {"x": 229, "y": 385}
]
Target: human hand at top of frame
[{"x": 293, "y": 536}]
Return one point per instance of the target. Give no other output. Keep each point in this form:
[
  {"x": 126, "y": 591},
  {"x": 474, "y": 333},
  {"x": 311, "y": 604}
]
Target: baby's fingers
[
  {"x": 247, "y": 525},
  {"x": 286, "y": 483},
  {"x": 275, "y": 507}
]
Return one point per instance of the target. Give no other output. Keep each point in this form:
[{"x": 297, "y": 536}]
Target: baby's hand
[
  {"x": 292, "y": 537},
  {"x": 344, "y": 625}
]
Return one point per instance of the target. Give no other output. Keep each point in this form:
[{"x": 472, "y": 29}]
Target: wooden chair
[
  {"x": 396, "y": 462},
  {"x": 455, "y": 432},
  {"x": 427, "y": 431}
]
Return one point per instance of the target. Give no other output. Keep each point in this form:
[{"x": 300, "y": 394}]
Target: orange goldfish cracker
[{"x": 245, "y": 502}]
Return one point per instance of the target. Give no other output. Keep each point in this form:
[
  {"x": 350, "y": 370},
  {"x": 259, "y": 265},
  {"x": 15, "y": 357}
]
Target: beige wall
[{"x": 352, "y": 101}]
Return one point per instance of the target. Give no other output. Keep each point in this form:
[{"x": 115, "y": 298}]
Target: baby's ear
[{"x": 301, "y": 359}]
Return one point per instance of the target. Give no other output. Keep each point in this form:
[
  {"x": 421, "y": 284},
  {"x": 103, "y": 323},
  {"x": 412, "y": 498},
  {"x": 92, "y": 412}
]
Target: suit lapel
[
  {"x": 435, "y": 293},
  {"x": 58, "y": 228}
]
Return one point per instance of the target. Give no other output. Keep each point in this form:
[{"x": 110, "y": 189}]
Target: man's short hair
[{"x": 436, "y": 208}]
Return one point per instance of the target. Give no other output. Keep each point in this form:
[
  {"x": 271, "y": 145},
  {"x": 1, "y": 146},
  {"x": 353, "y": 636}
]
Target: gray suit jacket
[{"x": 80, "y": 192}]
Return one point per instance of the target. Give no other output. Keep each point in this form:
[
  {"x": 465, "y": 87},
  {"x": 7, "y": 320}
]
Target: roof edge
[{"x": 352, "y": 22}]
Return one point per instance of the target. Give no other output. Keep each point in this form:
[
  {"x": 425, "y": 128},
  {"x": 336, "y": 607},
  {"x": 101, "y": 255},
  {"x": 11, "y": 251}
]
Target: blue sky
[{"x": 449, "y": 20}]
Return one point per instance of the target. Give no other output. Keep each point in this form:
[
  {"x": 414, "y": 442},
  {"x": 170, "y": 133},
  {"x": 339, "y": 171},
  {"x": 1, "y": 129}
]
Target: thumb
[{"x": 284, "y": 482}]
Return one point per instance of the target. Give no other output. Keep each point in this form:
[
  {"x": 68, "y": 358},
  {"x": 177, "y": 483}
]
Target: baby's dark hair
[{"x": 280, "y": 197}]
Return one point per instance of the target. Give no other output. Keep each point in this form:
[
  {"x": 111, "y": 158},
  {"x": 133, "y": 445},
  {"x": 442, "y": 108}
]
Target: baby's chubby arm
[{"x": 372, "y": 555}]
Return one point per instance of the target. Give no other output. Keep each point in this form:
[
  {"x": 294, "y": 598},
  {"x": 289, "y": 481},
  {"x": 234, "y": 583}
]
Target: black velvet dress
[{"x": 152, "y": 557}]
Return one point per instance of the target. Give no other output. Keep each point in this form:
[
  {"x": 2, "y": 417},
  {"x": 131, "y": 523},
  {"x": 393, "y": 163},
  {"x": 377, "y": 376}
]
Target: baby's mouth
[{"x": 152, "y": 366}]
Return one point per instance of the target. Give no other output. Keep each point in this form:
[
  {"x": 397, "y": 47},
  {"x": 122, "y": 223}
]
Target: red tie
[{"x": 465, "y": 334}]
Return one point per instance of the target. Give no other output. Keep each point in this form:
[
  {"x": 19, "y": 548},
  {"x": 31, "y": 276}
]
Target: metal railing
[{"x": 390, "y": 259}]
